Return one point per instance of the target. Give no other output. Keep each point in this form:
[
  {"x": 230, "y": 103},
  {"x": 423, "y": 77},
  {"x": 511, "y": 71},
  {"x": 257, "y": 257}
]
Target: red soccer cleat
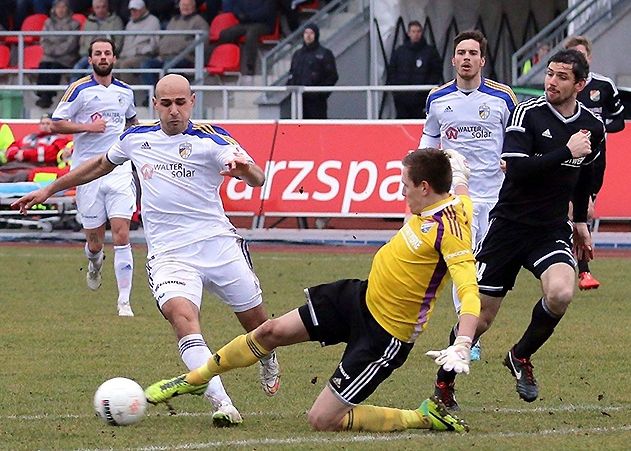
[{"x": 587, "y": 282}]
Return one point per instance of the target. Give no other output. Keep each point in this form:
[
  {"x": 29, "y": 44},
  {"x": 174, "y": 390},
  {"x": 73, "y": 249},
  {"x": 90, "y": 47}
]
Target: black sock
[
  {"x": 583, "y": 266},
  {"x": 443, "y": 375},
  {"x": 541, "y": 326}
]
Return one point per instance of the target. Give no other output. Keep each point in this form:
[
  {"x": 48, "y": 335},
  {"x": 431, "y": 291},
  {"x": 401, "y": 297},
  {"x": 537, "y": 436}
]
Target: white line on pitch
[
  {"x": 388, "y": 437},
  {"x": 505, "y": 410}
]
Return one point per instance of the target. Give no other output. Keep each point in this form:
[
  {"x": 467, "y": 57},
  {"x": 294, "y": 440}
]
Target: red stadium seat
[
  {"x": 226, "y": 58},
  {"x": 81, "y": 19},
  {"x": 32, "y": 56},
  {"x": 309, "y": 6},
  {"x": 274, "y": 36},
  {"x": 5, "y": 56},
  {"x": 220, "y": 23},
  {"x": 34, "y": 22}
]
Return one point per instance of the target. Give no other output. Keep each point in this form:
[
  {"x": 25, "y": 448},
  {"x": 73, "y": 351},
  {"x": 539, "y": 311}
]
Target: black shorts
[
  {"x": 336, "y": 313},
  {"x": 508, "y": 246}
]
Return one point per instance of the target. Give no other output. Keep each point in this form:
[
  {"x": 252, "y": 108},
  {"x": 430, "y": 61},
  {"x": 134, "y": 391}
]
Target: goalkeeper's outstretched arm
[{"x": 460, "y": 172}]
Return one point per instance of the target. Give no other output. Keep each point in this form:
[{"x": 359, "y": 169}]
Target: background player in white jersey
[
  {"x": 96, "y": 109},
  {"x": 191, "y": 243},
  {"x": 469, "y": 114},
  {"x": 601, "y": 96}
]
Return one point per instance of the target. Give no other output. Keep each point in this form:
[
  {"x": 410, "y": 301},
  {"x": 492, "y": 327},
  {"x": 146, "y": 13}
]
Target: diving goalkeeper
[{"x": 379, "y": 318}]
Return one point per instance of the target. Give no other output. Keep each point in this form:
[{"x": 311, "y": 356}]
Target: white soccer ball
[{"x": 120, "y": 401}]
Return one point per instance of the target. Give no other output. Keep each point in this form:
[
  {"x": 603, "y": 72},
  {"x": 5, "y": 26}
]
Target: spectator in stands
[
  {"x": 6, "y": 20},
  {"x": 257, "y": 18},
  {"x": 138, "y": 48},
  {"x": 172, "y": 45},
  {"x": 414, "y": 63},
  {"x": 60, "y": 52},
  {"x": 164, "y": 10},
  {"x": 600, "y": 95},
  {"x": 313, "y": 65},
  {"x": 213, "y": 7},
  {"x": 542, "y": 50},
  {"x": 101, "y": 19},
  {"x": 118, "y": 7},
  {"x": 289, "y": 9},
  {"x": 23, "y": 8}
]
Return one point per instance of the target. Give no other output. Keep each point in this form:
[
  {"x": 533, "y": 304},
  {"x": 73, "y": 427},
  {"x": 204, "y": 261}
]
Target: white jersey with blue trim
[
  {"x": 180, "y": 181},
  {"x": 86, "y": 100},
  {"x": 472, "y": 123}
]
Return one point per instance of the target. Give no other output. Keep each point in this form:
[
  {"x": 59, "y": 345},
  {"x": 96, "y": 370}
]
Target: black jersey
[
  {"x": 542, "y": 176},
  {"x": 601, "y": 96}
]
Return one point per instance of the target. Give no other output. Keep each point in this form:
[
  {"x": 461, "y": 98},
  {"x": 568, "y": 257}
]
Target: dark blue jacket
[
  {"x": 255, "y": 11},
  {"x": 313, "y": 65},
  {"x": 415, "y": 64}
]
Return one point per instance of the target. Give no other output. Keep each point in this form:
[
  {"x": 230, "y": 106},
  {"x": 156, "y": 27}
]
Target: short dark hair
[
  {"x": 580, "y": 66},
  {"x": 415, "y": 23},
  {"x": 94, "y": 41},
  {"x": 431, "y": 165},
  {"x": 476, "y": 35}
]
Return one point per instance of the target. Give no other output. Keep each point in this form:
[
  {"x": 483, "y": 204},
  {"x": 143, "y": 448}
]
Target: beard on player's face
[{"x": 102, "y": 69}]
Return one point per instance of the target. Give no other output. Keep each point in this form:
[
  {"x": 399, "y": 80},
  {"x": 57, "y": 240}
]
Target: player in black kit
[
  {"x": 601, "y": 96},
  {"x": 549, "y": 147}
]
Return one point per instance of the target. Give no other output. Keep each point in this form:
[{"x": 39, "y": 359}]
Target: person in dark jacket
[
  {"x": 313, "y": 65},
  {"x": 256, "y": 18},
  {"x": 414, "y": 63}
]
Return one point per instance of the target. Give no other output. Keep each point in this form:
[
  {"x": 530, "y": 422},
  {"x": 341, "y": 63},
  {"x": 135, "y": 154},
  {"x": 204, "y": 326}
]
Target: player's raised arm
[
  {"x": 90, "y": 170},
  {"x": 69, "y": 127},
  {"x": 243, "y": 168}
]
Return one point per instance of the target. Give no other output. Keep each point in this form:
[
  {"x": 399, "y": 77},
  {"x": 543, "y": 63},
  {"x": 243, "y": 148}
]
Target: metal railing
[
  {"x": 372, "y": 94},
  {"x": 582, "y": 18},
  {"x": 200, "y": 37},
  {"x": 275, "y": 63}
]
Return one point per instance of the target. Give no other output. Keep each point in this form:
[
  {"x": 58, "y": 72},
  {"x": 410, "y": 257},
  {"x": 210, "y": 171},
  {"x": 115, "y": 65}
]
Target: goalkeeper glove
[
  {"x": 456, "y": 357},
  {"x": 459, "y": 169}
]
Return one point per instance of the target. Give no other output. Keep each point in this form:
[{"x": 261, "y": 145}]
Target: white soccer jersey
[
  {"x": 86, "y": 100},
  {"x": 473, "y": 124},
  {"x": 180, "y": 180}
]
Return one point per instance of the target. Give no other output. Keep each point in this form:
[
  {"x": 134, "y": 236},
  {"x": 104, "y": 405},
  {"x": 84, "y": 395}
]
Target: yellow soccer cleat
[
  {"x": 169, "y": 388},
  {"x": 442, "y": 420}
]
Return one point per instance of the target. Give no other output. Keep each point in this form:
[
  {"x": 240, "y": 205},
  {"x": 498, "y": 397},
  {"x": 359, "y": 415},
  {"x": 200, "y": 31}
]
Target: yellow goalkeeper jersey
[{"x": 409, "y": 272}]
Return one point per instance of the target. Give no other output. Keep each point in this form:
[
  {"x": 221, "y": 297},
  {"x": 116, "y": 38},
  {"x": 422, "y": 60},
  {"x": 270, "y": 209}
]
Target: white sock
[
  {"x": 194, "y": 353},
  {"x": 124, "y": 270},
  {"x": 95, "y": 258}
]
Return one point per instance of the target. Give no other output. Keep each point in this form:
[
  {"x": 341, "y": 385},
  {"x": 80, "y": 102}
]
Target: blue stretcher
[{"x": 59, "y": 208}]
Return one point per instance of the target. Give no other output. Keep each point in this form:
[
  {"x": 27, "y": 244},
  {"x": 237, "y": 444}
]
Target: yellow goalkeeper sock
[
  {"x": 241, "y": 352},
  {"x": 383, "y": 419}
]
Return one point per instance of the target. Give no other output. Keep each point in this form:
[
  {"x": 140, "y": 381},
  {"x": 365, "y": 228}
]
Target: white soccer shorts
[
  {"x": 479, "y": 227},
  {"x": 220, "y": 264},
  {"x": 111, "y": 196}
]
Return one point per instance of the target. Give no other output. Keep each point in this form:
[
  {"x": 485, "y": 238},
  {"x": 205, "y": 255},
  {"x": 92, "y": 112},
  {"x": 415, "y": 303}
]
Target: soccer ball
[{"x": 120, "y": 401}]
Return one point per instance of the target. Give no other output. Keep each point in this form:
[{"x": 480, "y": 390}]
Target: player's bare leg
[
  {"x": 269, "y": 371},
  {"x": 194, "y": 352},
  {"x": 94, "y": 252}
]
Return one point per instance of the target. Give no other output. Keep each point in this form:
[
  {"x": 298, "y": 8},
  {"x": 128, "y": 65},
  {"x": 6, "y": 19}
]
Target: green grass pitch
[{"x": 59, "y": 342}]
